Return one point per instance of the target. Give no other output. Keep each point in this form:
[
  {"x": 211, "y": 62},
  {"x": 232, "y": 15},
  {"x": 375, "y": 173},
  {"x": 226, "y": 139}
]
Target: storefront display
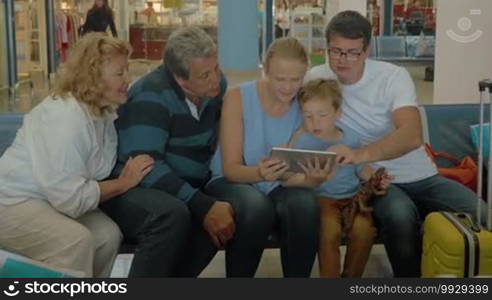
[
  {"x": 67, "y": 26},
  {"x": 413, "y": 17},
  {"x": 308, "y": 27},
  {"x": 307, "y": 23},
  {"x": 374, "y": 15},
  {"x": 153, "y": 21},
  {"x": 30, "y": 36},
  {"x": 149, "y": 41}
]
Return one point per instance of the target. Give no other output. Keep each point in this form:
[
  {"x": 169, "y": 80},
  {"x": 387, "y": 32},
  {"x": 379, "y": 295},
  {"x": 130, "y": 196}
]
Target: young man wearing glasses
[{"x": 379, "y": 104}]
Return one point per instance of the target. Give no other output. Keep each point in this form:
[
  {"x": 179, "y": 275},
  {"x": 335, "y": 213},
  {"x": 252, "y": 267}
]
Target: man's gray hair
[{"x": 183, "y": 45}]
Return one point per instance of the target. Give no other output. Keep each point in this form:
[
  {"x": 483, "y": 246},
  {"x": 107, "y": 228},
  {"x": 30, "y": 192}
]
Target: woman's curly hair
[{"x": 81, "y": 74}]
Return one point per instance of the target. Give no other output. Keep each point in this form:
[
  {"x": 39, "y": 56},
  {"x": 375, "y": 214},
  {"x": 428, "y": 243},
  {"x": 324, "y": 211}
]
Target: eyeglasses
[{"x": 337, "y": 53}]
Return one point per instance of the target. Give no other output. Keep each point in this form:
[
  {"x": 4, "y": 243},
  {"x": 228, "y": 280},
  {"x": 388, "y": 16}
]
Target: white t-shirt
[
  {"x": 58, "y": 155},
  {"x": 367, "y": 109}
]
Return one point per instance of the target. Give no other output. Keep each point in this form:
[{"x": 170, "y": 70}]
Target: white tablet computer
[{"x": 292, "y": 156}]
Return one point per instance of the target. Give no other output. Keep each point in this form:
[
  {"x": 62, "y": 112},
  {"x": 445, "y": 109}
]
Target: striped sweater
[{"x": 156, "y": 120}]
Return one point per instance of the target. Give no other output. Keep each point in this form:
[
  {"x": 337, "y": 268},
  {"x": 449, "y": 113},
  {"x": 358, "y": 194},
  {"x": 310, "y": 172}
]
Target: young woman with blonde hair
[
  {"x": 54, "y": 174},
  {"x": 257, "y": 116}
]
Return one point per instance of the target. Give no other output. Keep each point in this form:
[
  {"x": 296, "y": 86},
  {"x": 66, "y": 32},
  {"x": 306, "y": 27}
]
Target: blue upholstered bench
[
  {"x": 9, "y": 124},
  {"x": 446, "y": 127}
]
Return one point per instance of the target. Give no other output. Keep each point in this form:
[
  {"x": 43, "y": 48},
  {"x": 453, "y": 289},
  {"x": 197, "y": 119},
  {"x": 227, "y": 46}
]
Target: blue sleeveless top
[
  {"x": 261, "y": 132},
  {"x": 346, "y": 181}
]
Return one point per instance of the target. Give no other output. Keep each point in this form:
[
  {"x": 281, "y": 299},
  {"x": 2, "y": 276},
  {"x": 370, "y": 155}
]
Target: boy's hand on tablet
[{"x": 315, "y": 173}]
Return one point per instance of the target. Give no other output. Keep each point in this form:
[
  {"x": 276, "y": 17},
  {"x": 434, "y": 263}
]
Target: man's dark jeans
[{"x": 158, "y": 223}]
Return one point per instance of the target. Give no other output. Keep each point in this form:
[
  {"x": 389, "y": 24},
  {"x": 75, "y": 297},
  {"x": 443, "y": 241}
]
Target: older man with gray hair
[{"x": 172, "y": 114}]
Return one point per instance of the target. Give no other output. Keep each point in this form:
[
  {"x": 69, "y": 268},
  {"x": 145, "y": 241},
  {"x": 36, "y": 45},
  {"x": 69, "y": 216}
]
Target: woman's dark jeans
[{"x": 293, "y": 211}]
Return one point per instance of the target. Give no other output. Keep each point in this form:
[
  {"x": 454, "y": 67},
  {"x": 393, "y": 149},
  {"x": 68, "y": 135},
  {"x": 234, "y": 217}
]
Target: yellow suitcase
[
  {"x": 453, "y": 244},
  {"x": 453, "y": 247}
]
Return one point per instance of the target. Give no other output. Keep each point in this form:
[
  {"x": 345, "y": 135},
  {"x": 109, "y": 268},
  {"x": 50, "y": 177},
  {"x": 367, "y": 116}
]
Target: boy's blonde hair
[
  {"x": 288, "y": 48},
  {"x": 324, "y": 89},
  {"x": 81, "y": 74}
]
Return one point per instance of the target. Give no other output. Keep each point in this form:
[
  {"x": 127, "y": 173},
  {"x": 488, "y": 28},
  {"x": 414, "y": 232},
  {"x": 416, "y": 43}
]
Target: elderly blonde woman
[{"x": 53, "y": 175}]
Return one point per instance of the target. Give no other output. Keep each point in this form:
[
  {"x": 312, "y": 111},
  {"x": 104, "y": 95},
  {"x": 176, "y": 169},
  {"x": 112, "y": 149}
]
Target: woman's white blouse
[{"x": 58, "y": 155}]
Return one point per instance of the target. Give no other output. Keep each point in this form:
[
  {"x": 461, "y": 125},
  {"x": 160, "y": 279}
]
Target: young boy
[{"x": 320, "y": 102}]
